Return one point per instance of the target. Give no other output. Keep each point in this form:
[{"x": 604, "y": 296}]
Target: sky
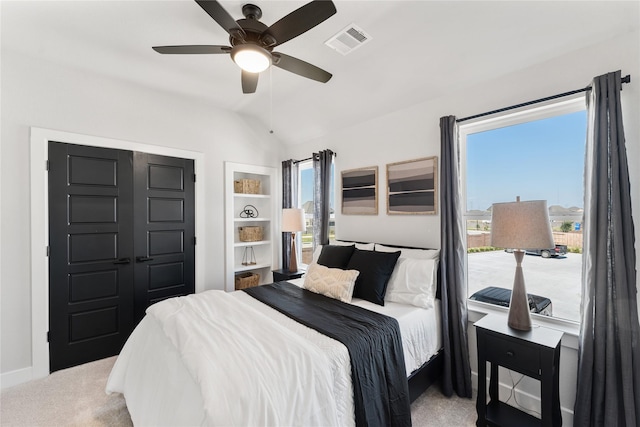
[
  {"x": 306, "y": 185},
  {"x": 539, "y": 160}
]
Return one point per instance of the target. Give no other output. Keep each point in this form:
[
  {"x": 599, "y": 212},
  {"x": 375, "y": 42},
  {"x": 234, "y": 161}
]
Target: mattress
[{"x": 159, "y": 390}]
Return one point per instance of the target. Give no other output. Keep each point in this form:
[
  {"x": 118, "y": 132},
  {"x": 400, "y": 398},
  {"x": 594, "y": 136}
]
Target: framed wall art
[
  {"x": 360, "y": 191},
  {"x": 412, "y": 187}
]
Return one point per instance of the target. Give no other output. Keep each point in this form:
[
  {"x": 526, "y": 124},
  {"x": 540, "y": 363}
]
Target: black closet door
[
  {"x": 91, "y": 253},
  {"x": 164, "y": 224},
  {"x": 121, "y": 237}
]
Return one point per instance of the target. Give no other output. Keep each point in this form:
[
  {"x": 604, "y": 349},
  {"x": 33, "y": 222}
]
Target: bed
[{"x": 219, "y": 358}]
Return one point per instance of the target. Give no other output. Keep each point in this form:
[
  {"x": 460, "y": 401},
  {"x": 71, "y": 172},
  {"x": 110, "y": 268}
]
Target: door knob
[
  {"x": 143, "y": 259},
  {"x": 122, "y": 261}
]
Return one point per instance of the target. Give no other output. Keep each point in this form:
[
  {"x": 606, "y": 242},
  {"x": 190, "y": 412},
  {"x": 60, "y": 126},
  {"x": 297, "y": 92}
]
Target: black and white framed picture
[
  {"x": 412, "y": 187},
  {"x": 360, "y": 191}
]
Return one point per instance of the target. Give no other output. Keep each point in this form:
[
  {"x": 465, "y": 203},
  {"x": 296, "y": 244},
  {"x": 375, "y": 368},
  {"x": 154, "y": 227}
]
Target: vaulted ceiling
[{"x": 418, "y": 51}]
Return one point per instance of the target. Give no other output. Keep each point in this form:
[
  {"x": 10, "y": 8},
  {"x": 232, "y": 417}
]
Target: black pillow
[
  {"x": 375, "y": 271},
  {"x": 335, "y": 256}
]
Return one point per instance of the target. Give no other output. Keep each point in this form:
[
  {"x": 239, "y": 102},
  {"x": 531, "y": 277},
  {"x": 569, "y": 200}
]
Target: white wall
[
  {"x": 414, "y": 132},
  {"x": 44, "y": 95}
]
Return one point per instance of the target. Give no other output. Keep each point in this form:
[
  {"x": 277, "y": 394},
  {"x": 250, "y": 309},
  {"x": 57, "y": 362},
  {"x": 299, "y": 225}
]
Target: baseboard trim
[
  {"x": 527, "y": 401},
  {"x": 13, "y": 378}
]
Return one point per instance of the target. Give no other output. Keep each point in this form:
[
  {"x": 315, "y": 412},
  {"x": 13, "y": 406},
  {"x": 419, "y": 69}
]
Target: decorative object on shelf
[
  {"x": 247, "y": 186},
  {"x": 412, "y": 187},
  {"x": 249, "y": 211},
  {"x": 249, "y": 256},
  {"x": 360, "y": 191},
  {"x": 246, "y": 280},
  {"x": 292, "y": 222},
  {"x": 518, "y": 226},
  {"x": 250, "y": 233}
]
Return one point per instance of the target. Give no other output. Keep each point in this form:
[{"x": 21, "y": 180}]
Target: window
[
  {"x": 537, "y": 154},
  {"x": 305, "y": 201}
]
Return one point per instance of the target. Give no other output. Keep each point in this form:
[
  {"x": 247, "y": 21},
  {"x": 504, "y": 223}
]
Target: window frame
[
  {"x": 303, "y": 165},
  {"x": 567, "y": 105}
]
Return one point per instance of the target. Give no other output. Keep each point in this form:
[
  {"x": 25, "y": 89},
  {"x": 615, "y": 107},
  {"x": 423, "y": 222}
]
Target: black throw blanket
[{"x": 380, "y": 386}]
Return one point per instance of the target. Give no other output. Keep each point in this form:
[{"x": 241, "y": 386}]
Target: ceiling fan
[{"x": 252, "y": 42}]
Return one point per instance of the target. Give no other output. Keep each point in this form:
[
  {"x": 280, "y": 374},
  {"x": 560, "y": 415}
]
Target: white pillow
[
  {"x": 411, "y": 253},
  {"x": 414, "y": 282},
  {"x": 331, "y": 282},
  {"x": 361, "y": 246}
]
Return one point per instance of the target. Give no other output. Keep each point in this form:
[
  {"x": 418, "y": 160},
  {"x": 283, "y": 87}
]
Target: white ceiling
[{"x": 419, "y": 50}]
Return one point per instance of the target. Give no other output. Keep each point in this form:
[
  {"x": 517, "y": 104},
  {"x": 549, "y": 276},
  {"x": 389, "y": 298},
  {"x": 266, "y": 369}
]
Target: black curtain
[
  {"x": 289, "y": 192},
  {"x": 608, "y": 359},
  {"x": 321, "y": 191},
  {"x": 457, "y": 370}
]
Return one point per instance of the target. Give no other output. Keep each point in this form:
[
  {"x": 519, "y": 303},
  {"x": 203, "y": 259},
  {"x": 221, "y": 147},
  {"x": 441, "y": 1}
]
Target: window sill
[{"x": 477, "y": 310}]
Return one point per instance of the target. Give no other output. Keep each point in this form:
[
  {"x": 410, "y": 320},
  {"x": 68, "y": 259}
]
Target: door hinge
[
  {"x": 194, "y": 177},
  {"x": 194, "y": 241},
  {"x": 47, "y": 250},
  {"x": 48, "y": 336},
  {"x": 46, "y": 165}
]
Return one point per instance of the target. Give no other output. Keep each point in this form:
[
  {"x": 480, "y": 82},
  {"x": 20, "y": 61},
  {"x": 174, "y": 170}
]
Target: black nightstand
[
  {"x": 284, "y": 275},
  {"x": 534, "y": 353}
]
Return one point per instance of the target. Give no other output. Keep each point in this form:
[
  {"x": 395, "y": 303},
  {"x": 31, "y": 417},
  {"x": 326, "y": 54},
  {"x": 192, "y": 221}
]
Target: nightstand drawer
[{"x": 513, "y": 355}]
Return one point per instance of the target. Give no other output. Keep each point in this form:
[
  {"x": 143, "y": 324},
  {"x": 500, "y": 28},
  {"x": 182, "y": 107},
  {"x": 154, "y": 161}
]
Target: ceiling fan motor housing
[{"x": 254, "y": 30}]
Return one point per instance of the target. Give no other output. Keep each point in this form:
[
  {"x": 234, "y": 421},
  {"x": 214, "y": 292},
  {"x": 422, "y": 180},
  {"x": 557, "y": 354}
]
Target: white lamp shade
[
  {"x": 293, "y": 220},
  {"x": 521, "y": 225}
]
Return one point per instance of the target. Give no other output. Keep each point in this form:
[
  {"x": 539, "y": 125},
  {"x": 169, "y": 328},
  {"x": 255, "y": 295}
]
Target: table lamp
[
  {"x": 292, "y": 222},
  {"x": 519, "y": 226}
]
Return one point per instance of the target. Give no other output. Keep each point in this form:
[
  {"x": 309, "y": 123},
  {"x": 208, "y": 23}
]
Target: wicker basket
[
  {"x": 247, "y": 186},
  {"x": 250, "y": 234},
  {"x": 247, "y": 280}
]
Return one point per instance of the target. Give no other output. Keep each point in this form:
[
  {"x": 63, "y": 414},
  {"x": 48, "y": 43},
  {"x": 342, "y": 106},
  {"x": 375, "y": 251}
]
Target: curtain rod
[
  {"x": 625, "y": 79},
  {"x": 311, "y": 158}
]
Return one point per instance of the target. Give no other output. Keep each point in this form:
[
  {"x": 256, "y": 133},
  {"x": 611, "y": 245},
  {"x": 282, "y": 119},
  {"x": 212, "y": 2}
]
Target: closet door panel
[
  {"x": 90, "y": 233},
  {"x": 164, "y": 242}
]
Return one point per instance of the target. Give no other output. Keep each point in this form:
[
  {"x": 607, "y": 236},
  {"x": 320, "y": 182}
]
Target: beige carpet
[{"x": 76, "y": 397}]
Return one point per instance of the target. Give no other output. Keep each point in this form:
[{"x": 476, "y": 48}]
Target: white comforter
[
  {"x": 234, "y": 354},
  {"x": 162, "y": 388}
]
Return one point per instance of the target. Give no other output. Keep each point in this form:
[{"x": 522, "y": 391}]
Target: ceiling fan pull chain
[{"x": 271, "y": 100}]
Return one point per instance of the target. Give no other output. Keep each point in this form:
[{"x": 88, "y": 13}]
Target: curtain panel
[
  {"x": 608, "y": 390},
  {"x": 289, "y": 193},
  {"x": 457, "y": 370},
  {"x": 321, "y": 191}
]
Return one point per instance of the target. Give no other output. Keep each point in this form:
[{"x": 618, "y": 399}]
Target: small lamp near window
[
  {"x": 292, "y": 222},
  {"x": 519, "y": 226}
]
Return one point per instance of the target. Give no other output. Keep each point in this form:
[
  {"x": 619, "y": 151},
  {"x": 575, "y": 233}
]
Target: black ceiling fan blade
[
  {"x": 300, "y": 67},
  {"x": 192, "y": 49},
  {"x": 221, "y": 16},
  {"x": 249, "y": 82},
  {"x": 300, "y": 21}
]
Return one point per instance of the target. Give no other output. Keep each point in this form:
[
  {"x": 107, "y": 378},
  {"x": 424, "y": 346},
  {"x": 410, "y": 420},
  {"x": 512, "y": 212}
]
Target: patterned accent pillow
[{"x": 331, "y": 282}]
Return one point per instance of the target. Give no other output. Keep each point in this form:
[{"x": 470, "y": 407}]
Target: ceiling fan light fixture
[{"x": 251, "y": 58}]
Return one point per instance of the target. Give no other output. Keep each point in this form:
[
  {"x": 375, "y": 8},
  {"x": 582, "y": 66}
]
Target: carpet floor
[{"x": 76, "y": 397}]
